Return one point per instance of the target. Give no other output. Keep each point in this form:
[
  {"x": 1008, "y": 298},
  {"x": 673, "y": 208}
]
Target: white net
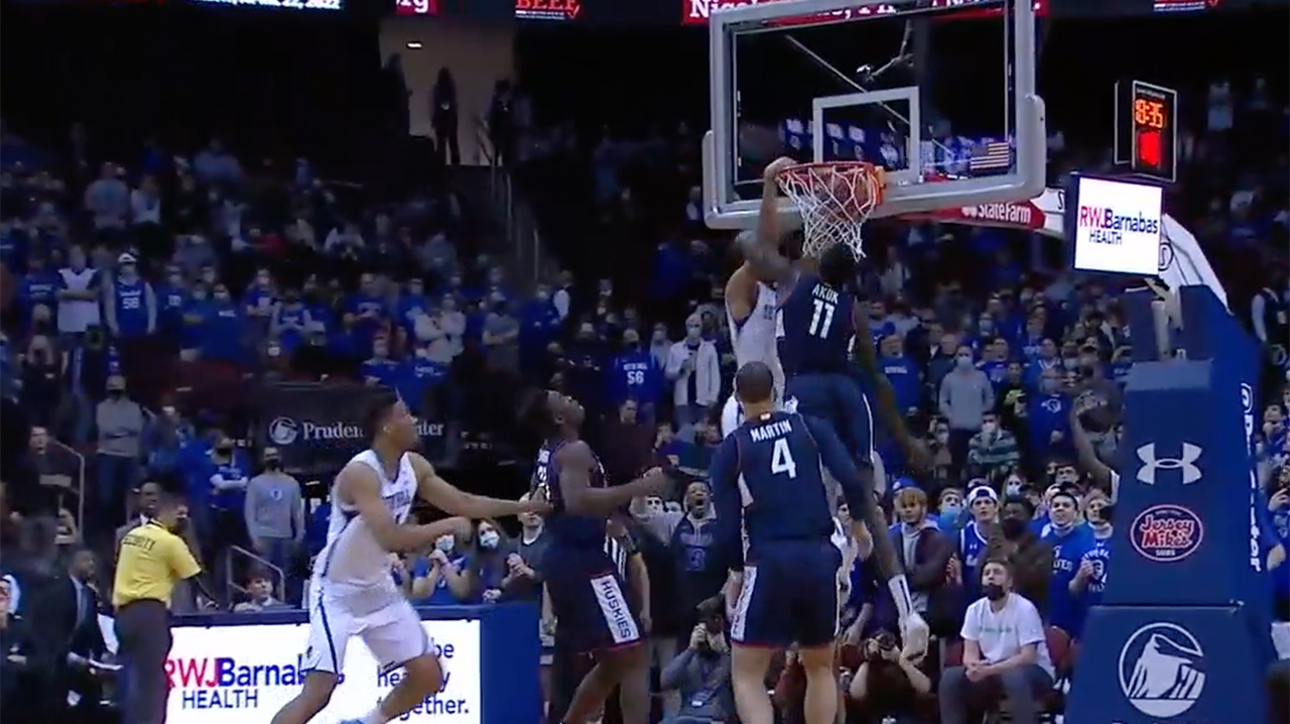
[{"x": 834, "y": 200}]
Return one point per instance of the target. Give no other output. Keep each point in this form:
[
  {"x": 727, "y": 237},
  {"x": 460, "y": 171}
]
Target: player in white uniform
[
  {"x": 751, "y": 307},
  {"x": 353, "y": 592}
]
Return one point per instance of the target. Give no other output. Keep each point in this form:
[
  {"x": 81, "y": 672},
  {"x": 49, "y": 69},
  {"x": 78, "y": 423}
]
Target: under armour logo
[{"x": 1150, "y": 463}]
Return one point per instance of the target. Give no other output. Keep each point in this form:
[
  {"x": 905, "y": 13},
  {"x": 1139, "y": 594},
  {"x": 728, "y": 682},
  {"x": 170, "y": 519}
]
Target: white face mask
[
  {"x": 488, "y": 539},
  {"x": 444, "y": 543}
]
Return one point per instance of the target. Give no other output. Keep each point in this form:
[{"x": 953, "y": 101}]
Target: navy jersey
[
  {"x": 566, "y": 529},
  {"x": 814, "y": 328},
  {"x": 776, "y": 458},
  {"x": 131, "y": 307},
  {"x": 972, "y": 549}
]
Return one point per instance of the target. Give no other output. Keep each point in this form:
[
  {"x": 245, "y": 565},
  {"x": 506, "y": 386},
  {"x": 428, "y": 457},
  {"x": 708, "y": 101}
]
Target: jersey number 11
[{"x": 822, "y": 320}]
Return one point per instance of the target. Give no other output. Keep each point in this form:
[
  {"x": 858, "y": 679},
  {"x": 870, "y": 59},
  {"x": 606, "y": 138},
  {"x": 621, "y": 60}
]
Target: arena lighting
[{"x": 414, "y": 45}]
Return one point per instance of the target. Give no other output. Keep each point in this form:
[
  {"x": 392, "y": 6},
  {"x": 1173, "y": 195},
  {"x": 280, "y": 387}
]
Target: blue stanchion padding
[
  {"x": 1183, "y": 635},
  {"x": 509, "y": 651},
  {"x": 1182, "y": 518},
  {"x": 1168, "y": 664}
]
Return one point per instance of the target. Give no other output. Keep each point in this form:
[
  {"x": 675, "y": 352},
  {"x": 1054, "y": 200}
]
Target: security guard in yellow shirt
[{"x": 151, "y": 561}]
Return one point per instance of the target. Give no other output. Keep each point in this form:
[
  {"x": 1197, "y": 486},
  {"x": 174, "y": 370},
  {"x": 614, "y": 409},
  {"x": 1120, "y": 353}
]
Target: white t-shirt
[{"x": 1001, "y": 634}]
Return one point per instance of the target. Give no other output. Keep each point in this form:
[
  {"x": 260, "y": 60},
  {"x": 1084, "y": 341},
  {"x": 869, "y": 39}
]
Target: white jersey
[
  {"x": 351, "y": 557},
  {"x": 754, "y": 340}
]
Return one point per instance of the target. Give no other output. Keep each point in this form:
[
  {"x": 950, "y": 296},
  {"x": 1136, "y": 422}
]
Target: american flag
[{"x": 991, "y": 156}]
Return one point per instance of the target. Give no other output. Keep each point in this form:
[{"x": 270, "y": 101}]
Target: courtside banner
[
  {"x": 240, "y": 668},
  {"x": 318, "y": 428},
  {"x": 244, "y": 674}
]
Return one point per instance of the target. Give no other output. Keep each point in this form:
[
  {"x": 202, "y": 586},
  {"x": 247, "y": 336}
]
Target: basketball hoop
[{"x": 835, "y": 199}]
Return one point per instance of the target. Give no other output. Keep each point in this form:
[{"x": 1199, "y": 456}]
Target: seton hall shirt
[{"x": 133, "y": 307}]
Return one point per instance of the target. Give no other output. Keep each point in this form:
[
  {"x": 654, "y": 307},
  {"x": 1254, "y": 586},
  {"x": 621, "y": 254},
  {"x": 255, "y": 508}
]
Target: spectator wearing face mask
[
  {"x": 275, "y": 513},
  {"x": 539, "y": 326},
  {"x": 694, "y": 368},
  {"x": 634, "y": 374},
  {"x": 217, "y": 492},
  {"x": 443, "y": 577},
  {"x": 993, "y": 448},
  {"x": 120, "y": 422},
  {"x": 1031, "y": 558},
  {"x": 1003, "y": 643},
  {"x": 222, "y": 328},
  {"x": 1048, "y": 418},
  {"x": 965, "y": 396}
]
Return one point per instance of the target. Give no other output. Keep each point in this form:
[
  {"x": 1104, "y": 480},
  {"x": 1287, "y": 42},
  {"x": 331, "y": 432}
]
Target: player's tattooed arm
[
  {"x": 452, "y": 500},
  {"x": 888, "y": 409},
  {"x": 576, "y": 462}
]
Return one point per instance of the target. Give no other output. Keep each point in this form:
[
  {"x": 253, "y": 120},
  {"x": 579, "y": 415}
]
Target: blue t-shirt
[
  {"x": 1066, "y": 610},
  {"x": 441, "y": 595}
]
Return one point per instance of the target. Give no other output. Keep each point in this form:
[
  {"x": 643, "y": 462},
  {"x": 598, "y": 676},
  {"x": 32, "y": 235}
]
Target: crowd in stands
[{"x": 150, "y": 299}]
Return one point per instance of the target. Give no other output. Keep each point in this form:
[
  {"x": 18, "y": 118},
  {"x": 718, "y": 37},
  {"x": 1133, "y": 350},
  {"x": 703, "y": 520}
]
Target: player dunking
[
  {"x": 818, "y": 321},
  {"x": 352, "y": 592},
  {"x": 751, "y": 306},
  {"x": 586, "y": 590},
  {"x": 790, "y": 592}
]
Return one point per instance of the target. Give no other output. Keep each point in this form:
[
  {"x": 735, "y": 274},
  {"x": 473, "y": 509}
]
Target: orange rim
[{"x": 801, "y": 171}]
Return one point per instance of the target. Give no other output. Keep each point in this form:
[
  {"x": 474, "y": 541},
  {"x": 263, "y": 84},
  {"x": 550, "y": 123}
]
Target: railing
[
  {"x": 502, "y": 192},
  {"x": 67, "y": 476},
  {"x": 280, "y": 577}
]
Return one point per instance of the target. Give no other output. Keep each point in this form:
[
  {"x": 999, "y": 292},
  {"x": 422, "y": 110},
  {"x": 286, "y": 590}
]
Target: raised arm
[
  {"x": 358, "y": 485},
  {"x": 576, "y": 460},
  {"x": 454, "y": 501},
  {"x": 1088, "y": 458},
  {"x": 760, "y": 248}
]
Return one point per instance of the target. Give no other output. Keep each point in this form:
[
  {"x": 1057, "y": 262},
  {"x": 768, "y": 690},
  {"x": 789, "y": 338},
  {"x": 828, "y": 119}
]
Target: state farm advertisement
[
  {"x": 244, "y": 674},
  {"x": 697, "y": 12}
]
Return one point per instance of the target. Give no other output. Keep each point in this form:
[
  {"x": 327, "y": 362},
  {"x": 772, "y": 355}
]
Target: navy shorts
[
  {"x": 789, "y": 595},
  {"x": 590, "y": 604},
  {"x": 838, "y": 400}
]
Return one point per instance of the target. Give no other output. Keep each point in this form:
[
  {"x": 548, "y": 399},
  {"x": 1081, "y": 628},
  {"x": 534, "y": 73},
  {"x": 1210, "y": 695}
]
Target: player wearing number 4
[
  {"x": 769, "y": 474},
  {"x": 818, "y": 319}
]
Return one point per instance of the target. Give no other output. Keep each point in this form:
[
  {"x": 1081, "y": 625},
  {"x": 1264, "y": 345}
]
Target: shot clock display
[{"x": 1146, "y": 129}]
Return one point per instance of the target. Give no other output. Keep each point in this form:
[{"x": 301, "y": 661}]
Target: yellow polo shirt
[{"x": 151, "y": 561}]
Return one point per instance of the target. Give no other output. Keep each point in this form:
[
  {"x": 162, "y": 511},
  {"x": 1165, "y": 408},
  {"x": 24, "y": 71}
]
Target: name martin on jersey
[{"x": 779, "y": 428}]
